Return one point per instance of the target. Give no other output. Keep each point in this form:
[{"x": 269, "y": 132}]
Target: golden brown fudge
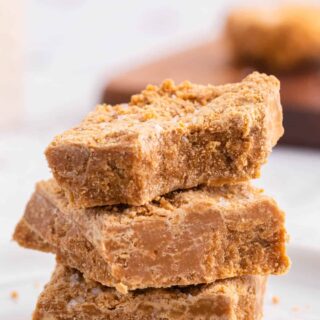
[
  {"x": 278, "y": 39},
  {"x": 70, "y": 296},
  {"x": 169, "y": 137},
  {"x": 183, "y": 238}
]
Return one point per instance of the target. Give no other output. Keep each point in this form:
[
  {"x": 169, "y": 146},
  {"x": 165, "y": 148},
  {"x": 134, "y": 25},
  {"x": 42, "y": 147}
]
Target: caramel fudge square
[
  {"x": 278, "y": 39},
  {"x": 167, "y": 138},
  {"x": 184, "y": 238},
  {"x": 70, "y": 296}
]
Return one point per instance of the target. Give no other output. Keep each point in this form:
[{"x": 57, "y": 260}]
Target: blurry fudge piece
[{"x": 279, "y": 38}]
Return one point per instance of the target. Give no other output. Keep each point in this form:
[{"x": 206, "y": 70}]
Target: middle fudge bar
[
  {"x": 185, "y": 237},
  {"x": 168, "y": 138}
]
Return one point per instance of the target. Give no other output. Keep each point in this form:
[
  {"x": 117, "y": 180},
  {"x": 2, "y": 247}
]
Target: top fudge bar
[
  {"x": 278, "y": 39},
  {"x": 167, "y": 138}
]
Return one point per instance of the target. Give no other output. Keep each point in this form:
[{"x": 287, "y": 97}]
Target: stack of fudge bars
[{"x": 150, "y": 212}]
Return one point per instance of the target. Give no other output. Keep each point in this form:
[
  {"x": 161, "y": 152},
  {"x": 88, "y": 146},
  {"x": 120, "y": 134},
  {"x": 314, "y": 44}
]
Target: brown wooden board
[{"x": 212, "y": 63}]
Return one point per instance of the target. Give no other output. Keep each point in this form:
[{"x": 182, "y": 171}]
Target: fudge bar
[
  {"x": 31, "y": 239},
  {"x": 185, "y": 237},
  {"x": 70, "y": 296},
  {"x": 278, "y": 39},
  {"x": 167, "y": 138}
]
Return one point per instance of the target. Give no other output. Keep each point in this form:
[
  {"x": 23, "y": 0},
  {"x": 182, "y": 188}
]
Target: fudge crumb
[
  {"x": 275, "y": 300},
  {"x": 14, "y": 295},
  {"x": 122, "y": 288},
  {"x": 166, "y": 204},
  {"x": 296, "y": 309}
]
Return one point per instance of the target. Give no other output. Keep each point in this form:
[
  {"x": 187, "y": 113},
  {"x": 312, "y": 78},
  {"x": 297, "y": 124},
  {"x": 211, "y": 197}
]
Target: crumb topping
[
  {"x": 225, "y": 197},
  {"x": 158, "y": 108}
]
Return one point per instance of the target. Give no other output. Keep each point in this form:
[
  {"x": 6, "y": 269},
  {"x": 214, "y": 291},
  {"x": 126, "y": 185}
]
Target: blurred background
[
  {"x": 58, "y": 58},
  {"x": 67, "y": 50}
]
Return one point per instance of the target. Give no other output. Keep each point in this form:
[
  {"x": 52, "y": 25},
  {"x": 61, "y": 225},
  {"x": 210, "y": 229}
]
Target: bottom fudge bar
[
  {"x": 70, "y": 296},
  {"x": 184, "y": 238}
]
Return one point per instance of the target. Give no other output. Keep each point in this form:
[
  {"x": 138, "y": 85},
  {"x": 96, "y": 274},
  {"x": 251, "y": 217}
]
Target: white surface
[
  {"x": 26, "y": 272},
  {"x": 11, "y": 53},
  {"x": 298, "y": 292}
]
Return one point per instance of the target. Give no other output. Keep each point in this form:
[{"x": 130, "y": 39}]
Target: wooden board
[{"x": 212, "y": 63}]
